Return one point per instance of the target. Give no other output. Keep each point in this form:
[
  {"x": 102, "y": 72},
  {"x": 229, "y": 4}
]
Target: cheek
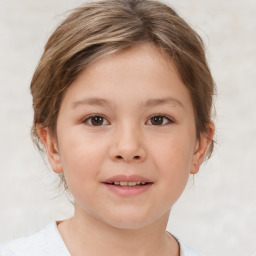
[
  {"x": 173, "y": 170},
  {"x": 81, "y": 159},
  {"x": 174, "y": 153},
  {"x": 173, "y": 159}
]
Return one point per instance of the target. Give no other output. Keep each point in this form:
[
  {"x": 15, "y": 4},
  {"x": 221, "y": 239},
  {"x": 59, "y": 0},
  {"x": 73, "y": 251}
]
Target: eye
[
  {"x": 96, "y": 120},
  {"x": 159, "y": 120}
]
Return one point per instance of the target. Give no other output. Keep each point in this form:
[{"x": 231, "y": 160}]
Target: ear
[
  {"x": 201, "y": 148},
  {"x": 51, "y": 147}
]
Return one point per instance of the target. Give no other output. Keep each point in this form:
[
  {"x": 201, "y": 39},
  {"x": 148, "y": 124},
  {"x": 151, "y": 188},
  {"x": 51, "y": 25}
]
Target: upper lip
[{"x": 127, "y": 178}]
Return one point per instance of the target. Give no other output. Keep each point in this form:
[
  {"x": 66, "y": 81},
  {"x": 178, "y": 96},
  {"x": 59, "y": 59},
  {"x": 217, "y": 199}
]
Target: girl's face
[{"x": 126, "y": 138}]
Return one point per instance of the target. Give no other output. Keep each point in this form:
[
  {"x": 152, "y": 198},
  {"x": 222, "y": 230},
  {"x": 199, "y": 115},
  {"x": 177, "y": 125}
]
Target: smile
[
  {"x": 129, "y": 183},
  {"x": 124, "y": 185}
]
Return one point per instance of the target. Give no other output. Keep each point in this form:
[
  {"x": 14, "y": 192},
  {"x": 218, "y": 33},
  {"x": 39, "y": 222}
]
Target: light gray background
[{"x": 217, "y": 212}]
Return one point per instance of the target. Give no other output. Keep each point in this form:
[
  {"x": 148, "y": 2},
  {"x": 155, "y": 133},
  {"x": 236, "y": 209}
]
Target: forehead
[
  {"x": 140, "y": 57},
  {"x": 139, "y": 73}
]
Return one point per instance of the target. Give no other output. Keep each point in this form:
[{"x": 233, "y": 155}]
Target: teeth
[{"x": 129, "y": 183}]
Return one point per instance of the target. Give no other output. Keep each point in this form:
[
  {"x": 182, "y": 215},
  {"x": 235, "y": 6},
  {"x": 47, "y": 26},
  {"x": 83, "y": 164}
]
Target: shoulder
[
  {"x": 187, "y": 251},
  {"x": 45, "y": 242}
]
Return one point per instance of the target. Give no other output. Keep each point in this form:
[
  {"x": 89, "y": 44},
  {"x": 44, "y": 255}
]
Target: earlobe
[
  {"x": 51, "y": 147},
  {"x": 201, "y": 148}
]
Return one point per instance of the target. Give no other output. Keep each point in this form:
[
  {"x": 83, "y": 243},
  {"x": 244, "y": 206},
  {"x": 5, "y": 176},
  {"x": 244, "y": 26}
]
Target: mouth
[{"x": 128, "y": 185}]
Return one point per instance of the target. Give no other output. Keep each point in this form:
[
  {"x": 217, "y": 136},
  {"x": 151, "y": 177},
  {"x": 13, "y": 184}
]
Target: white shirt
[{"x": 48, "y": 242}]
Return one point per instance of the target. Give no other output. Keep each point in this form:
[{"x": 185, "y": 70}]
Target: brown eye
[
  {"x": 96, "y": 121},
  {"x": 159, "y": 120}
]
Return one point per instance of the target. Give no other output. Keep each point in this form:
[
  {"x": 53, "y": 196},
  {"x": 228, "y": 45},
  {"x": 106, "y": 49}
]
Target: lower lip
[{"x": 128, "y": 191}]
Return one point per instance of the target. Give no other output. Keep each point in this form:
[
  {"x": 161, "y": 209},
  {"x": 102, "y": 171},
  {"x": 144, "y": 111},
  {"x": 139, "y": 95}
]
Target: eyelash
[
  {"x": 90, "y": 117},
  {"x": 168, "y": 119}
]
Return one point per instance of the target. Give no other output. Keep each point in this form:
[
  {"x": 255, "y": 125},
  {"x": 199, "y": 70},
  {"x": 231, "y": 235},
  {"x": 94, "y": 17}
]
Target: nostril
[{"x": 120, "y": 157}]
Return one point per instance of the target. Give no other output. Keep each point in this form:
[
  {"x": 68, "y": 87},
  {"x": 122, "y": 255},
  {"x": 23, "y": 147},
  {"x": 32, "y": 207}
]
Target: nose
[{"x": 128, "y": 146}]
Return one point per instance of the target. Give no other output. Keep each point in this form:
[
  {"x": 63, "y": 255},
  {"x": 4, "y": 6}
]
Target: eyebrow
[
  {"x": 94, "y": 101},
  {"x": 91, "y": 101},
  {"x": 167, "y": 100}
]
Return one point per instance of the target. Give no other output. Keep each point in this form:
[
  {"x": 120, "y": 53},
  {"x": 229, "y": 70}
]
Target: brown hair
[{"x": 107, "y": 26}]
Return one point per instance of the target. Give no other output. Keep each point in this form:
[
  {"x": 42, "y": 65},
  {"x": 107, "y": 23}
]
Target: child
[{"x": 122, "y": 100}]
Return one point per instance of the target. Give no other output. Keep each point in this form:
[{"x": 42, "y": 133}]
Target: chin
[
  {"x": 130, "y": 221},
  {"x": 126, "y": 225}
]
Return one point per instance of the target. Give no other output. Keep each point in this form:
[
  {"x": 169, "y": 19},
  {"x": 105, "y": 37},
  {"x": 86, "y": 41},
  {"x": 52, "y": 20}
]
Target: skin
[{"x": 126, "y": 140}]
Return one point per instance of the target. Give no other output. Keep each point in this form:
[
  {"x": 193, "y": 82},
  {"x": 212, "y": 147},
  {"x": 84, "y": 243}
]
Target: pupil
[
  {"x": 97, "y": 120},
  {"x": 157, "y": 120}
]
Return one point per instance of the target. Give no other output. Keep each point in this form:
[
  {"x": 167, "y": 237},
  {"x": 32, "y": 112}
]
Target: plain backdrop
[{"x": 217, "y": 212}]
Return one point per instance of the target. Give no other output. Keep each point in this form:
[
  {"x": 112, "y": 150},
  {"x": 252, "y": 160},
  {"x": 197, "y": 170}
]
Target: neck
[{"x": 85, "y": 235}]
